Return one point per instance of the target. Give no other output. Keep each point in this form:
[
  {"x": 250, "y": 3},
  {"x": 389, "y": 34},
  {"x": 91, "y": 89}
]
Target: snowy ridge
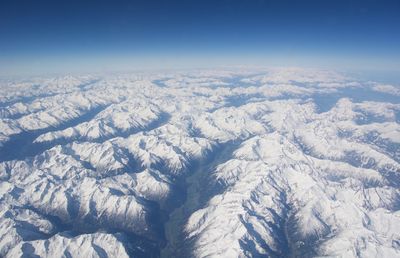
[
  {"x": 281, "y": 162},
  {"x": 89, "y": 246},
  {"x": 116, "y": 119}
]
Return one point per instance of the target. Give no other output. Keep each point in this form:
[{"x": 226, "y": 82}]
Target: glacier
[{"x": 234, "y": 162}]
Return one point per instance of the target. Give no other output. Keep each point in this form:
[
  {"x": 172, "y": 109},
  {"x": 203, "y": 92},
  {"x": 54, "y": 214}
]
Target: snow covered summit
[{"x": 206, "y": 163}]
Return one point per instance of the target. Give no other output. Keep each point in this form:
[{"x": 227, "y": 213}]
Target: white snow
[{"x": 299, "y": 182}]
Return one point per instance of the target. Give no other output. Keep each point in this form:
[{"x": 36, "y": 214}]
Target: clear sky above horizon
[{"x": 56, "y": 36}]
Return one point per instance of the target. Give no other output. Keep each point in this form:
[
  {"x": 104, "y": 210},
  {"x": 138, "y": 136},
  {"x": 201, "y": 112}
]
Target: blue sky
[{"x": 56, "y": 36}]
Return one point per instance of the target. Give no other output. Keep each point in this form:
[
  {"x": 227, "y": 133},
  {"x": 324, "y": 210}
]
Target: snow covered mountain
[{"x": 284, "y": 162}]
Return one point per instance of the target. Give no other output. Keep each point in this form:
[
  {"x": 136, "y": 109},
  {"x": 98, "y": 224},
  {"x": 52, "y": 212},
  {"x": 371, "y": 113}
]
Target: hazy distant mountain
[{"x": 220, "y": 163}]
